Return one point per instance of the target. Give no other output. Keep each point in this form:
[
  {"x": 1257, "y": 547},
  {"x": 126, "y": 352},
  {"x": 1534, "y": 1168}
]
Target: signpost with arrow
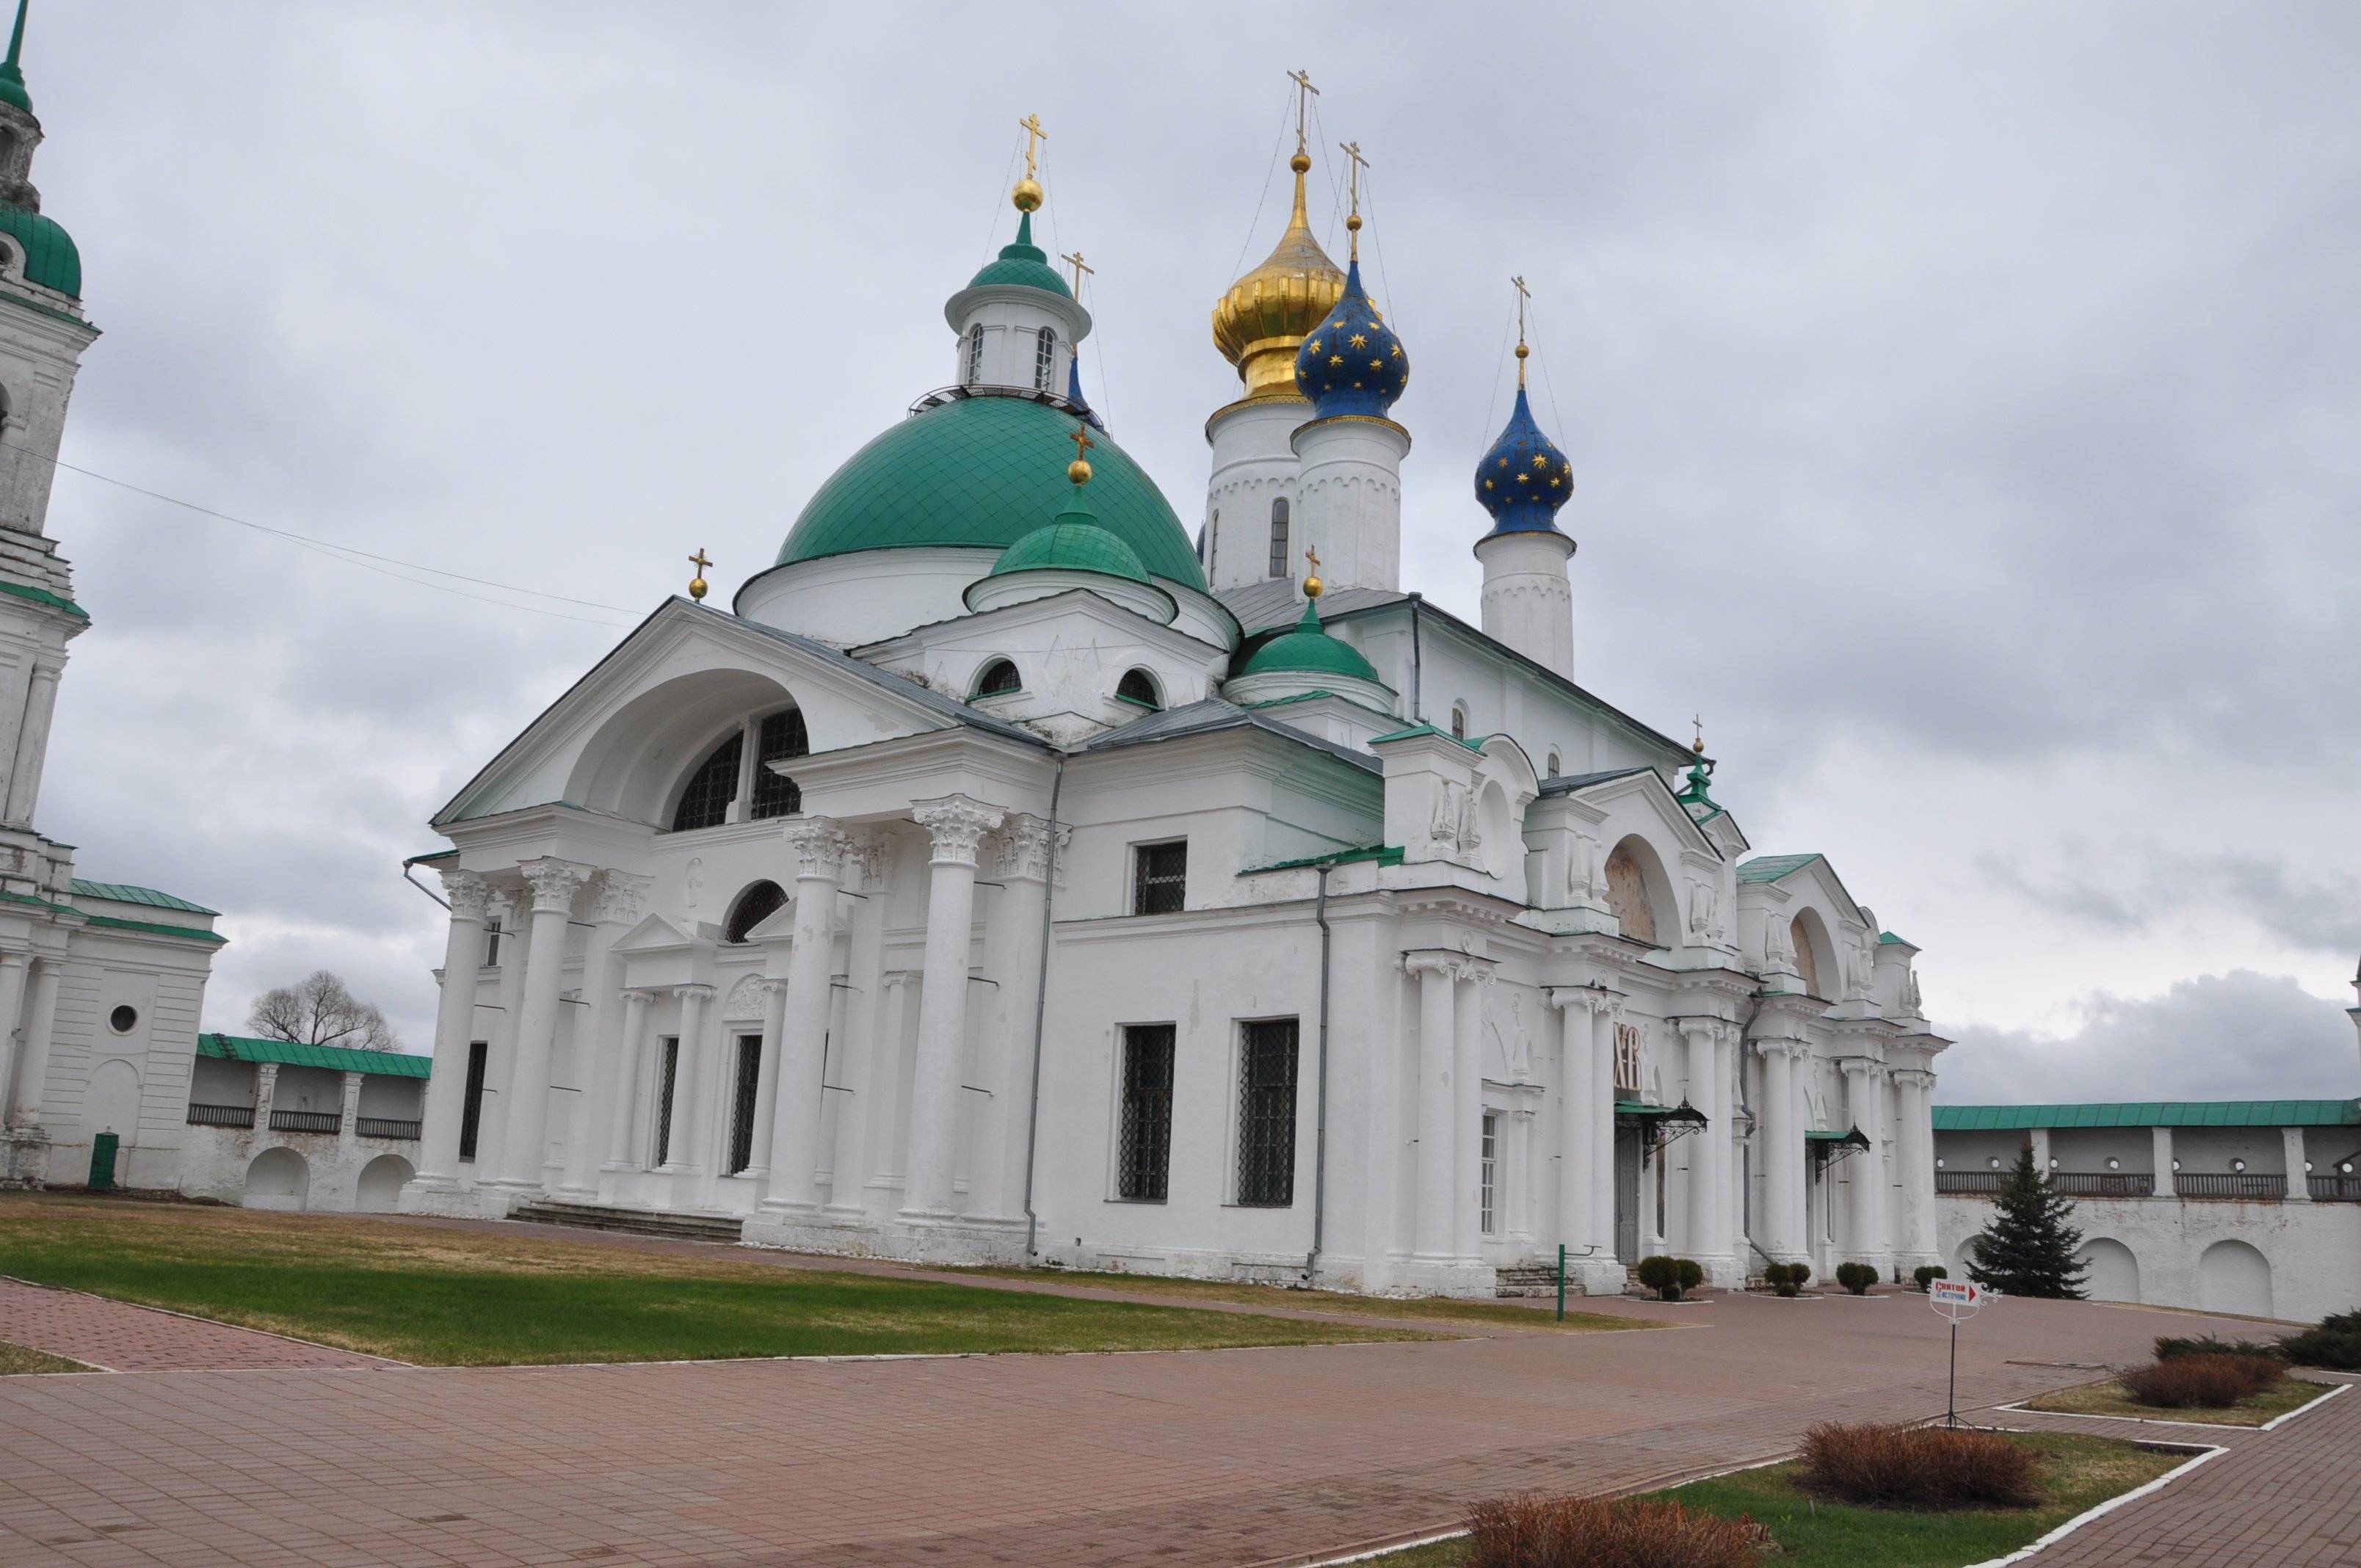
[{"x": 1954, "y": 1298}]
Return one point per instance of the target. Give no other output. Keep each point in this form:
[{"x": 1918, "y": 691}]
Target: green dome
[
  {"x": 1023, "y": 263},
  {"x": 1309, "y": 650},
  {"x": 1075, "y": 542},
  {"x": 982, "y": 471},
  {"x": 50, "y": 259}
]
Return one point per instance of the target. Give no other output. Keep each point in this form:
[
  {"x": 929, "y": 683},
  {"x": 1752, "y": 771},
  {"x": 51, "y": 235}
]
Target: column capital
[
  {"x": 555, "y": 882},
  {"x": 956, "y": 824},
  {"x": 1794, "y": 1050},
  {"x": 1596, "y": 999},
  {"x": 622, "y": 897},
  {"x": 1021, "y": 849},
  {"x": 15, "y": 957},
  {"x": 468, "y": 893},
  {"x": 1445, "y": 961},
  {"x": 697, "y": 992},
  {"x": 642, "y": 994},
  {"x": 1913, "y": 1076},
  {"x": 1861, "y": 1067},
  {"x": 820, "y": 847}
]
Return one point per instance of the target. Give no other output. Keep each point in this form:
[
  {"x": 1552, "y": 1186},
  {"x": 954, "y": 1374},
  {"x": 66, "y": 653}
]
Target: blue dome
[
  {"x": 1523, "y": 478},
  {"x": 1352, "y": 363}
]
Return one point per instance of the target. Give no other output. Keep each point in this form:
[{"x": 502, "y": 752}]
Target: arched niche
[
  {"x": 641, "y": 756},
  {"x": 279, "y": 1178},
  {"x": 1816, "y": 954},
  {"x": 2113, "y": 1270},
  {"x": 112, "y": 1102},
  {"x": 1639, "y": 894},
  {"x": 380, "y": 1184},
  {"x": 2233, "y": 1277}
]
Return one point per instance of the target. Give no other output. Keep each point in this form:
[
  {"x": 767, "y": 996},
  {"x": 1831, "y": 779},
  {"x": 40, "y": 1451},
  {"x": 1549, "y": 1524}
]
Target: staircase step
[{"x": 631, "y": 1221}]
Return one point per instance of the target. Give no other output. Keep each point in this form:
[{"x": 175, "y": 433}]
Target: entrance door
[{"x": 1627, "y": 1195}]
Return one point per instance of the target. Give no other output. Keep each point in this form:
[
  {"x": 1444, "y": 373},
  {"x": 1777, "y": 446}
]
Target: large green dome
[
  {"x": 984, "y": 471},
  {"x": 50, "y": 259}
]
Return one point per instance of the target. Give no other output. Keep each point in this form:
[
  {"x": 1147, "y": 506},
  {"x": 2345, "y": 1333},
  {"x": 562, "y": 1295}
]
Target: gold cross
[
  {"x": 1304, "y": 94},
  {"x": 698, "y": 561},
  {"x": 1034, "y": 136},
  {"x": 697, "y": 583},
  {"x": 1082, "y": 442},
  {"x": 1352, "y": 149},
  {"x": 1080, "y": 267},
  {"x": 1699, "y": 723},
  {"x": 1523, "y": 294},
  {"x": 1313, "y": 556}
]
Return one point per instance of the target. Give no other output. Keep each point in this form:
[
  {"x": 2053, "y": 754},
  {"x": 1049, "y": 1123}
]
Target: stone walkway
[
  {"x": 1236, "y": 1457},
  {"x": 115, "y": 1337}
]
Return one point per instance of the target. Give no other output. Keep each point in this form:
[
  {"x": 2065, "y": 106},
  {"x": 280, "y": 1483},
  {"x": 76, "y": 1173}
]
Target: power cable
[{"x": 1260, "y": 202}]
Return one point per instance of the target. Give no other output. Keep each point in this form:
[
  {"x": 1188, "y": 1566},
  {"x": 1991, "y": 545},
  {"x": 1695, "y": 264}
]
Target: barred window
[
  {"x": 1140, "y": 687},
  {"x": 471, "y": 1110},
  {"x": 741, "y": 1104},
  {"x": 1144, "y": 1137},
  {"x": 754, "y": 905},
  {"x": 998, "y": 676},
  {"x": 782, "y": 736},
  {"x": 1159, "y": 882},
  {"x": 705, "y": 802},
  {"x": 1045, "y": 358},
  {"x": 1488, "y": 1212},
  {"x": 974, "y": 354},
  {"x": 667, "y": 1075},
  {"x": 1267, "y": 1113},
  {"x": 1278, "y": 537}
]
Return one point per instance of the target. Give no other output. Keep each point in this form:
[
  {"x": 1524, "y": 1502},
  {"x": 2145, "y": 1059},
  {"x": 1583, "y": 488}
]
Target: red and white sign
[{"x": 1955, "y": 1299}]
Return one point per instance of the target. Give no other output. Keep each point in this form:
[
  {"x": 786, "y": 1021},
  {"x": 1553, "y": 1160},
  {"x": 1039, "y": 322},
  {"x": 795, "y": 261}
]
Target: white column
[
  {"x": 1698, "y": 1241},
  {"x": 40, "y": 1021},
  {"x": 956, "y": 826},
  {"x": 617, "y": 901},
  {"x": 766, "y": 1079},
  {"x": 820, "y": 847},
  {"x": 862, "y": 1074},
  {"x": 554, "y": 883},
  {"x": 688, "y": 1062},
  {"x": 509, "y": 904},
  {"x": 1468, "y": 1111},
  {"x": 1438, "y": 975},
  {"x": 1860, "y": 1229},
  {"x": 348, "y": 1113},
  {"x": 1605, "y": 1011},
  {"x": 1782, "y": 1153},
  {"x": 2161, "y": 1147},
  {"x": 454, "y": 1018},
  {"x": 623, "y": 1091},
  {"x": 1011, "y": 960},
  {"x": 266, "y": 1090},
  {"x": 1728, "y": 1211},
  {"x": 2299, "y": 1190},
  {"x": 14, "y": 964},
  {"x": 32, "y": 744},
  {"x": 1913, "y": 1147},
  {"x": 1576, "y": 1211}
]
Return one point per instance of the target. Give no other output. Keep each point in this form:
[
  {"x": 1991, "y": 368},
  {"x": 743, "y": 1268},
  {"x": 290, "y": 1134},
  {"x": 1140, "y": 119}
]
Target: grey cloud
[{"x": 2130, "y": 887}]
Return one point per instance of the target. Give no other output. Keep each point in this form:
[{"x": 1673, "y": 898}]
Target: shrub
[
  {"x": 1690, "y": 1272},
  {"x": 1927, "y": 1273},
  {"x": 2209, "y": 1382},
  {"x": 1920, "y": 1467},
  {"x": 1608, "y": 1532},
  {"x": 1856, "y": 1278},
  {"x": 2167, "y": 1346},
  {"x": 2334, "y": 1344},
  {"x": 1668, "y": 1277},
  {"x": 1787, "y": 1278}
]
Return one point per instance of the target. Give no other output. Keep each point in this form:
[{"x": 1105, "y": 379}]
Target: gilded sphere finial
[
  {"x": 697, "y": 585},
  {"x": 1026, "y": 196},
  {"x": 1313, "y": 587},
  {"x": 1522, "y": 351},
  {"x": 1354, "y": 222},
  {"x": 1078, "y": 471},
  {"x": 1301, "y": 162}
]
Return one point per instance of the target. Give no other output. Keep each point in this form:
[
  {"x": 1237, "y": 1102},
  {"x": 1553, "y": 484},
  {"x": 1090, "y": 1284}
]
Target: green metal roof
[
  {"x": 1308, "y": 650},
  {"x": 125, "y": 892},
  {"x": 336, "y": 1058},
  {"x": 1770, "y": 868},
  {"x": 2150, "y": 1114},
  {"x": 1075, "y": 542},
  {"x": 1024, "y": 264},
  {"x": 43, "y": 596},
  {"x": 984, "y": 471},
  {"x": 50, "y": 259},
  {"x": 158, "y": 929}
]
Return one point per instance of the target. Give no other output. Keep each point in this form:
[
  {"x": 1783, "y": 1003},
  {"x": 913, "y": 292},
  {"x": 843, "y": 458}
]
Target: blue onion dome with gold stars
[
  {"x": 1352, "y": 363},
  {"x": 1523, "y": 478}
]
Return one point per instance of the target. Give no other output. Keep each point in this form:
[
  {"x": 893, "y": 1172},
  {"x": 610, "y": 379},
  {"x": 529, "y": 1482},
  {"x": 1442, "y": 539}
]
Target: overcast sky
[{"x": 1963, "y": 400}]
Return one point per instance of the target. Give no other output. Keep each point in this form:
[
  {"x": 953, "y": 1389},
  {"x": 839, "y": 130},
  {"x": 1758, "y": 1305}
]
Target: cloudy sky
[{"x": 1964, "y": 401}]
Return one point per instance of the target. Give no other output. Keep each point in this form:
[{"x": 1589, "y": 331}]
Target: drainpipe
[
  {"x": 1041, "y": 1019},
  {"x": 1417, "y": 674},
  {"x": 1746, "y": 1152},
  {"x": 1320, "y": 1116},
  {"x": 409, "y": 875}
]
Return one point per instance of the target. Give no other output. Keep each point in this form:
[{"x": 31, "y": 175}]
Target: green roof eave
[
  {"x": 2149, "y": 1113},
  {"x": 421, "y": 860},
  {"x": 156, "y": 929},
  {"x": 295, "y": 1053},
  {"x": 30, "y": 901},
  {"x": 43, "y": 596},
  {"x": 126, "y": 892},
  {"x": 1384, "y": 854},
  {"x": 1774, "y": 868}
]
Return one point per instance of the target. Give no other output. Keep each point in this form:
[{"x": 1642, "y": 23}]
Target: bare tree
[{"x": 321, "y": 1011}]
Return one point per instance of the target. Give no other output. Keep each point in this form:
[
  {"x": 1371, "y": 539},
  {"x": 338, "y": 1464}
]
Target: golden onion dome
[{"x": 1266, "y": 314}]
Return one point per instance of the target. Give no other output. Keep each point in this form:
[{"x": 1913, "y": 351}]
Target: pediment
[
  {"x": 1640, "y": 801},
  {"x": 659, "y": 934}
]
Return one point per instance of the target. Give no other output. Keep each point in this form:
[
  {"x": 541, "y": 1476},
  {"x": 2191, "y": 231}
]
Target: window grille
[
  {"x": 1627, "y": 1059},
  {"x": 1278, "y": 537},
  {"x": 1488, "y": 1214},
  {"x": 974, "y": 354},
  {"x": 1458, "y": 722},
  {"x": 667, "y": 1072},
  {"x": 1266, "y": 1114},
  {"x": 741, "y": 1104},
  {"x": 1140, "y": 687},
  {"x": 782, "y": 736},
  {"x": 705, "y": 802},
  {"x": 471, "y": 1112},
  {"x": 998, "y": 676},
  {"x": 754, "y": 905},
  {"x": 1144, "y": 1139},
  {"x": 1045, "y": 358},
  {"x": 1160, "y": 878}
]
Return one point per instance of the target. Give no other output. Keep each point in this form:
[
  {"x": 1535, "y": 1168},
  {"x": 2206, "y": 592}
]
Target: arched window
[
  {"x": 998, "y": 676},
  {"x": 1278, "y": 537},
  {"x": 754, "y": 905},
  {"x": 1213, "y": 542},
  {"x": 1627, "y": 894},
  {"x": 1552, "y": 764},
  {"x": 705, "y": 802},
  {"x": 974, "y": 354},
  {"x": 782, "y": 736},
  {"x": 1140, "y": 687},
  {"x": 1459, "y": 721},
  {"x": 1045, "y": 357},
  {"x": 1808, "y": 962}
]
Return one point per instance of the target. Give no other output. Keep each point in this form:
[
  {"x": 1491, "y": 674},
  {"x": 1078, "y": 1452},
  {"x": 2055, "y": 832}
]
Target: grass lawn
[
  {"x": 452, "y": 1298},
  {"x": 15, "y": 1359},
  {"x": 1447, "y": 1308},
  {"x": 2079, "y": 1472},
  {"x": 2109, "y": 1400}
]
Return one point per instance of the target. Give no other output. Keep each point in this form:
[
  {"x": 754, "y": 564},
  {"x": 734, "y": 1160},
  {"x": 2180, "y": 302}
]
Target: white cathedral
[{"x": 1002, "y": 878}]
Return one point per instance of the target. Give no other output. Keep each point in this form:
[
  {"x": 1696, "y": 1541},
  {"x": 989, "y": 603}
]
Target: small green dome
[
  {"x": 50, "y": 259},
  {"x": 1075, "y": 542},
  {"x": 1024, "y": 264},
  {"x": 984, "y": 471},
  {"x": 1309, "y": 650},
  {"x": 12, "y": 87}
]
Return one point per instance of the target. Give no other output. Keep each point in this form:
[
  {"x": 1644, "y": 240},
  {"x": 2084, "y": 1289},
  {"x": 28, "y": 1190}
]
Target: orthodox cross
[
  {"x": 1313, "y": 556},
  {"x": 1699, "y": 723},
  {"x": 1523, "y": 294},
  {"x": 1034, "y": 136},
  {"x": 1304, "y": 94},
  {"x": 1352, "y": 151},
  {"x": 1082, "y": 443},
  {"x": 1076, "y": 261},
  {"x": 697, "y": 584}
]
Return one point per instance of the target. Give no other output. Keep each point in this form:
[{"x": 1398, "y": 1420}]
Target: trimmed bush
[
  {"x": 1608, "y": 1532},
  {"x": 1787, "y": 1278},
  {"x": 2336, "y": 1344},
  {"x": 2167, "y": 1346},
  {"x": 1856, "y": 1278},
  {"x": 2201, "y": 1382},
  {"x": 1919, "y": 1467},
  {"x": 1690, "y": 1272},
  {"x": 1668, "y": 1277},
  {"x": 1927, "y": 1273}
]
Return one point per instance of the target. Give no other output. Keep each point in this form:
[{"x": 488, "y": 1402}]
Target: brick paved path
[
  {"x": 115, "y": 1337},
  {"x": 1201, "y": 1457}
]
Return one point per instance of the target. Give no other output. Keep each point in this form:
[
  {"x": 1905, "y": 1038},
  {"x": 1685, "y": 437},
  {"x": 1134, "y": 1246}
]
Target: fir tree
[{"x": 2027, "y": 1248}]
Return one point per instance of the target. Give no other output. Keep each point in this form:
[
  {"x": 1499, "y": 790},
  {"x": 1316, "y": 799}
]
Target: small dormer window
[
  {"x": 1140, "y": 687},
  {"x": 974, "y": 354},
  {"x": 1278, "y": 537},
  {"x": 1045, "y": 358},
  {"x": 1552, "y": 764},
  {"x": 1459, "y": 721},
  {"x": 998, "y": 676}
]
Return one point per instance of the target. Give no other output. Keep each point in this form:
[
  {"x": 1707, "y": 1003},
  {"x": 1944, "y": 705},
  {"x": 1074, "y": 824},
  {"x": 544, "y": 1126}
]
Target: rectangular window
[
  {"x": 741, "y": 1104},
  {"x": 1488, "y": 1212},
  {"x": 1627, "y": 1059},
  {"x": 1267, "y": 1113},
  {"x": 471, "y": 1111},
  {"x": 1279, "y": 538},
  {"x": 783, "y": 736},
  {"x": 667, "y": 1072},
  {"x": 492, "y": 942},
  {"x": 1144, "y": 1140},
  {"x": 1159, "y": 878}
]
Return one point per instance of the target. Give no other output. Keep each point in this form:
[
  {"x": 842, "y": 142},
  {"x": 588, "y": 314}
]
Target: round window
[
  {"x": 1993, "y": 1162},
  {"x": 2238, "y": 1165},
  {"x": 2114, "y": 1164},
  {"x": 124, "y": 1019},
  {"x": 2053, "y": 1162},
  {"x": 2176, "y": 1165},
  {"x": 1939, "y": 1162}
]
